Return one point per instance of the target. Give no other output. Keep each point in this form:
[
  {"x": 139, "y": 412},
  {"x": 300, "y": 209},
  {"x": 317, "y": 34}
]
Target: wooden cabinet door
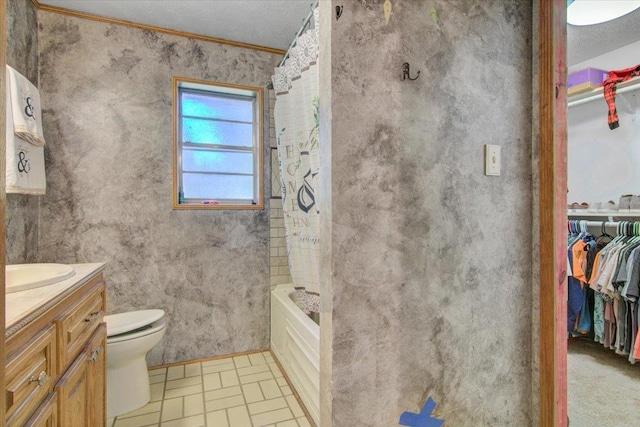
[
  {"x": 46, "y": 415},
  {"x": 77, "y": 325},
  {"x": 29, "y": 377},
  {"x": 97, "y": 370},
  {"x": 73, "y": 394}
]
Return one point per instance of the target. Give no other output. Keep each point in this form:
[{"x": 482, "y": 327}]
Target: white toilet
[{"x": 130, "y": 336}]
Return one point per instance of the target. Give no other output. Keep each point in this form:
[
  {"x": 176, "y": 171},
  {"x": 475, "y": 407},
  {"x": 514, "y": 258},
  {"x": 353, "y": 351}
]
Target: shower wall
[
  {"x": 429, "y": 260},
  {"x": 278, "y": 260},
  {"x": 107, "y": 93}
]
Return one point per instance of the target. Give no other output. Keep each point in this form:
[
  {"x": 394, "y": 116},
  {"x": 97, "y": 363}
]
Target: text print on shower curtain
[{"x": 296, "y": 121}]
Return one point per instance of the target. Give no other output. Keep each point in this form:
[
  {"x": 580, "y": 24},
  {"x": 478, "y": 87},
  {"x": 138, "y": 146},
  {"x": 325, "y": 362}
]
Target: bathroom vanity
[{"x": 55, "y": 347}]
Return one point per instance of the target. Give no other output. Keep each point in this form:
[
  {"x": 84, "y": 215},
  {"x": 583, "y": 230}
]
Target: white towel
[
  {"x": 25, "y": 161},
  {"x": 25, "y": 106}
]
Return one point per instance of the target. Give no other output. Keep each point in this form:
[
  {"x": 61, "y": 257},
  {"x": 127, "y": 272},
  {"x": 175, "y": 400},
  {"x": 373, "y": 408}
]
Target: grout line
[
  {"x": 245, "y": 404},
  {"x": 204, "y": 403},
  {"x": 164, "y": 387},
  {"x": 183, "y": 405},
  {"x": 207, "y": 359},
  {"x": 245, "y": 399}
]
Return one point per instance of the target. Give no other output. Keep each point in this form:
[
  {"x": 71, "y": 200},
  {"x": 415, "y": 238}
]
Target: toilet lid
[{"x": 125, "y": 322}]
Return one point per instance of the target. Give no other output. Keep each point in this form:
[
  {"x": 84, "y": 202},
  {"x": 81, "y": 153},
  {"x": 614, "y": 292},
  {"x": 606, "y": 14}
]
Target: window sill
[{"x": 221, "y": 206}]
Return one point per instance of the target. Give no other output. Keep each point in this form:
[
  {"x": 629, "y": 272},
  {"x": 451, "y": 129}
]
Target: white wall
[
  {"x": 603, "y": 163},
  {"x": 624, "y": 57}
]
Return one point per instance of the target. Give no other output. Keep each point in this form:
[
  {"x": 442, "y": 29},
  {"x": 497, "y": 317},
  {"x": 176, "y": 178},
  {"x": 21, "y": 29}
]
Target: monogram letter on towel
[{"x": 25, "y": 141}]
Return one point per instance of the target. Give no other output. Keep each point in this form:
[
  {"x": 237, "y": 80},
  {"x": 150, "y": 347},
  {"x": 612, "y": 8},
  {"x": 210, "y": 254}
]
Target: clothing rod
[
  {"x": 300, "y": 31},
  {"x": 599, "y": 223},
  {"x": 600, "y": 95}
]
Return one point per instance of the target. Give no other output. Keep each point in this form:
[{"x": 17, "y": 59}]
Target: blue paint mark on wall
[{"x": 423, "y": 419}]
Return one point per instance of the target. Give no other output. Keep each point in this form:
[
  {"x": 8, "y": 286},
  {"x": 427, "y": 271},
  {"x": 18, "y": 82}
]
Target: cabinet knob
[
  {"x": 93, "y": 316},
  {"x": 40, "y": 379},
  {"x": 94, "y": 354}
]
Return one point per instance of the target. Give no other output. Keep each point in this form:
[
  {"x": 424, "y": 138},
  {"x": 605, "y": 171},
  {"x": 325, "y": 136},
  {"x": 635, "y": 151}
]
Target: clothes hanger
[
  {"x": 600, "y": 240},
  {"x": 573, "y": 236},
  {"x": 619, "y": 233},
  {"x": 634, "y": 231},
  {"x": 585, "y": 228},
  {"x": 628, "y": 233},
  {"x": 624, "y": 227}
]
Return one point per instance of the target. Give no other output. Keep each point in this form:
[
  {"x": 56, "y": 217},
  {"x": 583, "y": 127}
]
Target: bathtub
[{"x": 295, "y": 341}]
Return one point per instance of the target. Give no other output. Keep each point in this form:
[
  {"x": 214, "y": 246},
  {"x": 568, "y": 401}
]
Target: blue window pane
[
  {"x": 217, "y": 187},
  {"x": 198, "y": 105},
  {"x": 217, "y": 161},
  {"x": 198, "y": 131}
]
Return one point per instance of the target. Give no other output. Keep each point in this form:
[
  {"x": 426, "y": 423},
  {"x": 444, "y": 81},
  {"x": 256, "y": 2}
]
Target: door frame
[
  {"x": 3, "y": 244},
  {"x": 552, "y": 169},
  {"x": 551, "y": 209}
]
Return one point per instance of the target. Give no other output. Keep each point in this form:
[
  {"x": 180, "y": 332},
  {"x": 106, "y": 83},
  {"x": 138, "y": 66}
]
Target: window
[{"x": 217, "y": 146}]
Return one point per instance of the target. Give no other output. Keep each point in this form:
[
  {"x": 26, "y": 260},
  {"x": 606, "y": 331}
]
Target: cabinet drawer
[
  {"x": 76, "y": 326},
  {"x": 30, "y": 373},
  {"x": 47, "y": 413}
]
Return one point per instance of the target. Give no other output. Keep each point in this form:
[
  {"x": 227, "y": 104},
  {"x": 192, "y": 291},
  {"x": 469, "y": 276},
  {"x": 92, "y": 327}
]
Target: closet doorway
[{"x": 603, "y": 376}]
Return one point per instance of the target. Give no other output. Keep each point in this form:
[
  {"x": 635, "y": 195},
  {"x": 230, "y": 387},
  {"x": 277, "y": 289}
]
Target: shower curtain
[{"x": 296, "y": 120}]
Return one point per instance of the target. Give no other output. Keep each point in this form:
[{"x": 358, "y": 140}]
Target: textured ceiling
[
  {"x": 273, "y": 23},
  {"x": 269, "y": 23},
  {"x": 587, "y": 42}
]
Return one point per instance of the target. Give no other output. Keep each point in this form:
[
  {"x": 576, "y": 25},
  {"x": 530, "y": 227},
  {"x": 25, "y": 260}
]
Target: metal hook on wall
[
  {"x": 339, "y": 10},
  {"x": 406, "y": 72}
]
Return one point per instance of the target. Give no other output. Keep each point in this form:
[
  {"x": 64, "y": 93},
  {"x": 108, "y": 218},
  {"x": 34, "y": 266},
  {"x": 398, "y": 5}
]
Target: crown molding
[{"x": 99, "y": 18}]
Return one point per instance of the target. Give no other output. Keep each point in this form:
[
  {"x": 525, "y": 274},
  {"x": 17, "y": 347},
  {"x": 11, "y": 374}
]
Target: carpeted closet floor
[{"x": 603, "y": 387}]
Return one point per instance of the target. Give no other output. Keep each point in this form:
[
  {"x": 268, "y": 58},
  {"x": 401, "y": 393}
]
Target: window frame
[{"x": 228, "y": 90}]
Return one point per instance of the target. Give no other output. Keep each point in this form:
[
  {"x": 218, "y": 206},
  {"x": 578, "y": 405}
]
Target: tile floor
[{"x": 237, "y": 391}]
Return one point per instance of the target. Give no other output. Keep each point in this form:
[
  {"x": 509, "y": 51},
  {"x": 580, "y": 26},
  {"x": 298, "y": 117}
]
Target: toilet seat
[
  {"x": 122, "y": 323},
  {"x": 138, "y": 333}
]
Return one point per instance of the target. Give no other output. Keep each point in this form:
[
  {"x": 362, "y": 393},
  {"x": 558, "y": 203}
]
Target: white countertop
[{"x": 19, "y": 305}]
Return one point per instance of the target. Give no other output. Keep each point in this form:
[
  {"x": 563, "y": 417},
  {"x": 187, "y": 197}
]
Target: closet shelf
[
  {"x": 573, "y": 213},
  {"x": 585, "y": 97}
]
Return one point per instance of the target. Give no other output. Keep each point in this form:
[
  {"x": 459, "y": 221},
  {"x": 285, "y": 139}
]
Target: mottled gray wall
[
  {"x": 431, "y": 262},
  {"x": 107, "y": 93},
  {"x": 22, "y": 54},
  {"x": 535, "y": 237},
  {"x": 22, "y": 38}
]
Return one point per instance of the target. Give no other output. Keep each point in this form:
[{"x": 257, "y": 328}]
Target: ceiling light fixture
[{"x": 590, "y": 12}]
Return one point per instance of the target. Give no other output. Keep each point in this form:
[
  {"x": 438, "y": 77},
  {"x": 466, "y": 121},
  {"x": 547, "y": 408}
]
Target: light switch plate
[{"x": 492, "y": 160}]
